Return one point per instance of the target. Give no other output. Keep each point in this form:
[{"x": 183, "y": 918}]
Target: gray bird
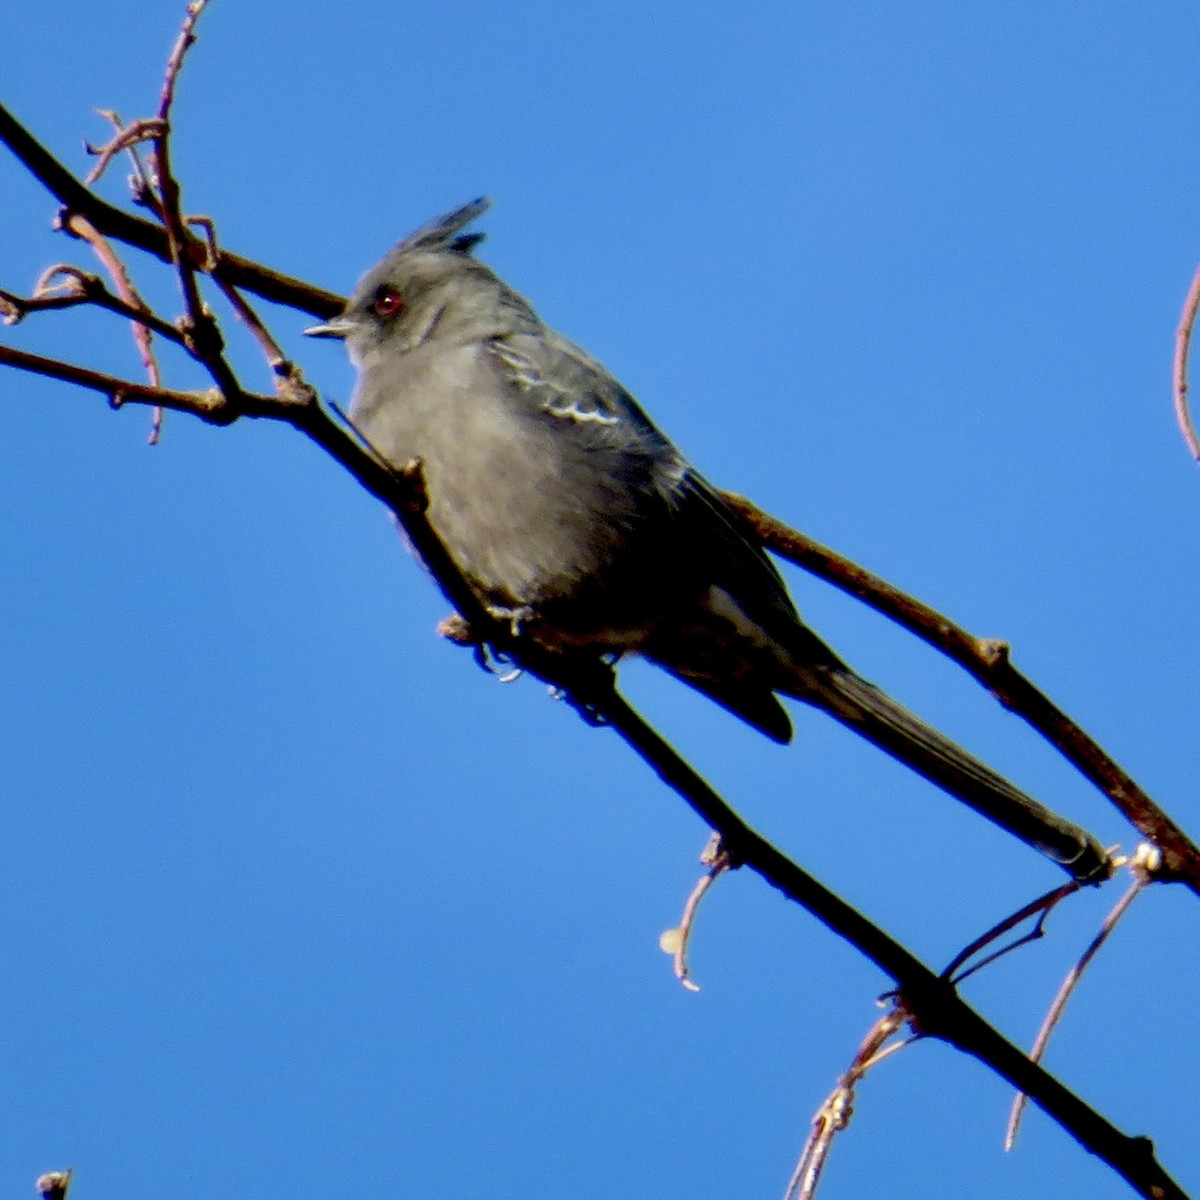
[{"x": 572, "y": 517}]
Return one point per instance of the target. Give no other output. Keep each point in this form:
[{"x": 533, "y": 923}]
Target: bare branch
[
  {"x": 79, "y": 288},
  {"x": 210, "y": 406},
  {"x": 200, "y": 324},
  {"x": 187, "y": 37},
  {"x": 988, "y": 661}
]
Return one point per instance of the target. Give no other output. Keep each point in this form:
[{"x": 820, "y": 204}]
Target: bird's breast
[{"x": 536, "y": 511}]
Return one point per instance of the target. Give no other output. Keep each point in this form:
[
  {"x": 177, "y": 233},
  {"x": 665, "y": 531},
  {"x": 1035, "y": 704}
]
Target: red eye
[{"x": 388, "y": 303}]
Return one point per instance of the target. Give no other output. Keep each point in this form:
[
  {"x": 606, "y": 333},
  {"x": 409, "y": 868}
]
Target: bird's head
[{"x": 428, "y": 287}]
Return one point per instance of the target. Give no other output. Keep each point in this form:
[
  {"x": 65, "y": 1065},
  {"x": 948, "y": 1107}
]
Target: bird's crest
[{"x": 444, "y": 232}]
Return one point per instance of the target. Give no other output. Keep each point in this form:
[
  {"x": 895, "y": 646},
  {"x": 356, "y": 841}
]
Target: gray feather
[{"x": 573, "y": 517}]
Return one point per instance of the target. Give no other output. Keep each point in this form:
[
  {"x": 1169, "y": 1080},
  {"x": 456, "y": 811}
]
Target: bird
[{"x": 576, "y": 521}]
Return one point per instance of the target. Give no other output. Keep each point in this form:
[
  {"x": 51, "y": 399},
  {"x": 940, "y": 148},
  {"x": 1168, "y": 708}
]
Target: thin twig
[
  {"x": 273, "y": 352},
  {"x": 127, "y": 137},
  {"x": 1183, "y": 343},
  {"x": 168, "y": 186},
  {"x": 140, "y": 180},
  {"x": 198, "y": 326},
  {"x": 211, "y": 405},
  {"x": 1141, "y": 877},
  {"x": 835, "y": 1112},
  {"x": 1041, "y": 907},
  {"x": 82, "y": 228},
  {"x": 65, "y": 286},
  {"x": 675, "y": 941}
]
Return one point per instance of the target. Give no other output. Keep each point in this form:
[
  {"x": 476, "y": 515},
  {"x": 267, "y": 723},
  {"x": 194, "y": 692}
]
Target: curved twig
[
  {"x": 1141, "y": 866},
  {"x": 1183, "y": 342}
]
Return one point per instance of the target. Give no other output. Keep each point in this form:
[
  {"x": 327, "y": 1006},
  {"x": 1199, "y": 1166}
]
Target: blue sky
[{"x": 293, "y": 896}]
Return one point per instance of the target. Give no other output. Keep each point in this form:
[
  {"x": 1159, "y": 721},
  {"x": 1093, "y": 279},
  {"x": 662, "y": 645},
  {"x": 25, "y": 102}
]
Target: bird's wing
[
  {"x": 566, "y": 384},
  {"x": 562, "y": 381}
]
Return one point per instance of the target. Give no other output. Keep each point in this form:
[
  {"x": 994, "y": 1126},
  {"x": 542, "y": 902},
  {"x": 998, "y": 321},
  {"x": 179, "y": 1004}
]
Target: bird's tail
[{"x": 874, "y": 715}]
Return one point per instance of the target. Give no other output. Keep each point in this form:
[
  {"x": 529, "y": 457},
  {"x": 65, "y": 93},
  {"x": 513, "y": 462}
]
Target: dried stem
[{"x": 79, "y": 226}]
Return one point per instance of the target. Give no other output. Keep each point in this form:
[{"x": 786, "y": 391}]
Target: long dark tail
[{"x": 874, "y": 715}]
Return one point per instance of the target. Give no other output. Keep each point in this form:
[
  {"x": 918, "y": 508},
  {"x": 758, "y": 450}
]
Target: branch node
[
  {"x": 416, "y": 499},
  {"x": 292, "y": 388},
  {"x": 201, "y": 336},
  {"x": 1146, "y": 862},
  {"x": 993, "y": 652}
]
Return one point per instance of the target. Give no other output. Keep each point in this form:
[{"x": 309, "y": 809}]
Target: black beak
[{"x": 338, "y": 327}]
